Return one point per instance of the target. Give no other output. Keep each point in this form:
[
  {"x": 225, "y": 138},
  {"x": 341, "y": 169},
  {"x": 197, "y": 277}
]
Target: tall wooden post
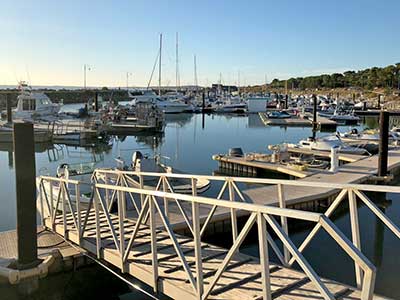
[
  {"x": 286, "y": 101},
  {"x": 96, "y": 101},
  {"x": 203, "y": 105},
  {"x": 379, "y": 101},
  {"x": 314, "y": 123},
  {"x": 9, "y": 112},
  {"x": 383, "y": 143},
  {"x": 25, "y": 176}
]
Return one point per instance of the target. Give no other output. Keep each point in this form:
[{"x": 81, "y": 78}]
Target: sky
[{"x": 48, "y": 42}]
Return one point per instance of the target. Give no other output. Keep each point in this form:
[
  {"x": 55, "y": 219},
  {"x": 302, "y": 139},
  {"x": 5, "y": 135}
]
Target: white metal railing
[{"x": 114, "y": 186}]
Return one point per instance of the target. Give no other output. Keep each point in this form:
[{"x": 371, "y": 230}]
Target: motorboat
[
  {"x": 327, "y": 143},
  {"x": 279, "y": 115},
  {"x": 33, "y": 104},
  {"x": 144, "y": 163},
  {"x": 164, "y": 104},
  {"x": 368, "y": 135}
]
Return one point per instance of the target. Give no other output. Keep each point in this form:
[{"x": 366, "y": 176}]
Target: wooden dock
[
  {"x": 326, "y": 154},
  {"x": 304, "y": 121},
  {"x": 244, "y": 165},
  {"x": 356, "y": 172},
  {"x": 65, "y": 256}
]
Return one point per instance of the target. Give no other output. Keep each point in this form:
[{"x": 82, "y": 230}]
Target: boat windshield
[
  {"x": 29, "y": 104},
  {"x": 45, "y": 101}
]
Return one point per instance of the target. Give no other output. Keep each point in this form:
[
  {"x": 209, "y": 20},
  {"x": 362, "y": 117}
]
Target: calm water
[{"x": 189, "y": 142}]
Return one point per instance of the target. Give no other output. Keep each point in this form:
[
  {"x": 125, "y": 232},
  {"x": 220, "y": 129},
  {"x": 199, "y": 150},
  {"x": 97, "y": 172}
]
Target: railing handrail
[
  {"x": 263, "y": 214},
  {"x": 250, "y": 207},
  {"x": 303, "y": 183}
]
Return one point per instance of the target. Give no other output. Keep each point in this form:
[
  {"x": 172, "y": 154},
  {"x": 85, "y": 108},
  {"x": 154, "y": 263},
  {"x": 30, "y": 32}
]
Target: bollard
[
  {"x": 334, "y": 159},
  {"x": 383, "y": 143},
  {"x": 379, "y": 101},
  {"x": 9, "y": 112},
  {"x": 364, "y": 105},
  {"x": 25, "y": 177}
]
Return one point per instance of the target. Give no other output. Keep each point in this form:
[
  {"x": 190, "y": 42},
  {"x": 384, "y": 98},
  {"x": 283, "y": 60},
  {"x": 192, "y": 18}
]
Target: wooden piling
[
  {"x": 25, "y": 176},
  {"x": 383, "y": 143},
  {"x": 314, "y": 125},
  {"x": 286, "y": 101},
  {"x": 9, "y": 112}
]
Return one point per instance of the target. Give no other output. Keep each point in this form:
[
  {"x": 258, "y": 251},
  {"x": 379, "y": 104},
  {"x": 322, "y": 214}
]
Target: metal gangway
[{"x": 141, "y": 242}]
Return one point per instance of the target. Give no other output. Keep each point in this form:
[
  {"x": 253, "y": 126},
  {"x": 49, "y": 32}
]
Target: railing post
[
  {"x": 355, "y": 232},
  {"x": 166, "y": 207},
  {"x": 41, "y": 201},
  {"x": 78, "y": 212},
  {"x": 141, "y": 185},
  {"x": 121, "y": 218},
  {"x": 97, "y": 218},
  {"x": 64, "y": 208},
  {"x": 197, "y": 242},
  {"x": 233, "y": 211},
  {"x": 52, "y": 210},
  {"x": 154, "y": 260},
  {"x": 282, "y": 204},
  {"x": 107, "y": 191},
  {"x": 264, "y": 260}
]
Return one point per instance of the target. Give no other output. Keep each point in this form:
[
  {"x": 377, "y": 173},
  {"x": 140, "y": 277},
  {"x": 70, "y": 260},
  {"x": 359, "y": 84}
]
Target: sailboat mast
[
  {"x": 177, "y": 65},
  {"x": 239, "y": 83},
  {"x": 159, "y": 67},
  {"x": 266, "y": 82},
  {"x": 195, "y": 73}
]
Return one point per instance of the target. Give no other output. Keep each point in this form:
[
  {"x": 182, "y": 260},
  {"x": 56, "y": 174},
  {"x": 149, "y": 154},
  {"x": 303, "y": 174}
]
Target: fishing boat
[
  {"x": 33, "y": 104},
  {"x": 327, "y": 143}
]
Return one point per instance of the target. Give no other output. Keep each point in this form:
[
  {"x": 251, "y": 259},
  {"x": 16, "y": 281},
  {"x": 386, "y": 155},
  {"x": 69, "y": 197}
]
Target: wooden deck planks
[{"x": 241, "y": 280}]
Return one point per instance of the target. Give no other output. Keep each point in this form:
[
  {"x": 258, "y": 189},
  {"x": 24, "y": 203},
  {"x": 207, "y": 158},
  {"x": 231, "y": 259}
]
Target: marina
[
  {"x": 214, "y": 150},
  {"x": 298, "y": 197}
]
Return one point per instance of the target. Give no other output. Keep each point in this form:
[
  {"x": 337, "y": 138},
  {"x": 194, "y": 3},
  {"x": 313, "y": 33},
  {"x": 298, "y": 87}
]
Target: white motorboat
[
  {"x": 33, "y": 104},
  {"x": 327, "y": 143},
  {"x": 231, "y": 105},
  {"x": 165, "y": 105},
  {"x": 368, "y": 135}
]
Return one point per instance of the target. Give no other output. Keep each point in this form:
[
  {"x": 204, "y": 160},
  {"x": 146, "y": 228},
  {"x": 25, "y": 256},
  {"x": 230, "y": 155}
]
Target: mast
[
  {"x": 84, "y": 76},
  {"x": 266, "y": 84},
  {"x": 177, "y": 65},
  {"x": 239, "y": 83},
  {"x": 195, "y": 73},
  {"x": 159, "y": 67}
]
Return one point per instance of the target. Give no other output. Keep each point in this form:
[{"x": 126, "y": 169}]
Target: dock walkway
[
  {"x": 355, "y": 172},
  {"x": 242, "y": 278},
  {"x": 147, "y": 246},
  {"x": 304, "y": 121}
]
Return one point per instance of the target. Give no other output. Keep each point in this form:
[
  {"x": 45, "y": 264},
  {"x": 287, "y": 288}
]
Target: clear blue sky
[{"x": 51, "y": 40}]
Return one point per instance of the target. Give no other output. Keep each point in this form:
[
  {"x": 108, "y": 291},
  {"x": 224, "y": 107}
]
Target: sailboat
[{"x": 166, "y": 103}]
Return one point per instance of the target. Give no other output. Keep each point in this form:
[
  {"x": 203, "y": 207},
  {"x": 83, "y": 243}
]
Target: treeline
[{"x": 387, "y": 77}]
